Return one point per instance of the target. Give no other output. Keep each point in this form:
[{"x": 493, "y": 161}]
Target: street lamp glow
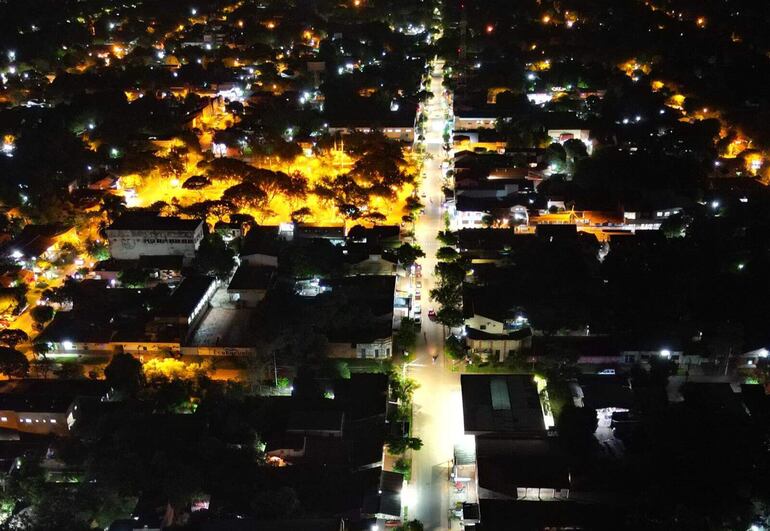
[
  {"x": 665, "y": 353},
  {"x": 11, "y": 55},
  {"x": 715, "y": 204}
]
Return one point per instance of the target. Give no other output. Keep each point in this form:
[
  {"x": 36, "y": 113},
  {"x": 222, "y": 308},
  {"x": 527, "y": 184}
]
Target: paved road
[{"x": 437, "y": 402}]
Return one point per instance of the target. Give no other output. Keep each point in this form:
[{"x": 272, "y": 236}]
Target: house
[
  {"x": 395, "y": 126},
  {"x": 134, "y": 235},
  {"x": 35, "y": 241},
  {"x": 250, "y": 284},
  {"x": 371, "y": 335},
  {"x": 493, "y": 326},
  {"x": 387, "y": 236},
  {"x": 45, "y": 406},
  {"x": 469, "y": 119},
  {"x": 335, "y": 234},
  {"x": 261, "y": 246},
  {"x": 502, "y": 405}
]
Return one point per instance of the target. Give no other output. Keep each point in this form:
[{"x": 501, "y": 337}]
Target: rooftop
[
  {"x": 186, "y": 297},
  {"x": 501, "y": 404},
  {"x": 150, "y": 221},
  {"x": 252, "y": 277},
  {"x": 56, "y": 396}
]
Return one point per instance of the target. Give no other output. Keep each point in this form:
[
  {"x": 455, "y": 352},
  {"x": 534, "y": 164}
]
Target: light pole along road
[{"x": 437, "y": 404}]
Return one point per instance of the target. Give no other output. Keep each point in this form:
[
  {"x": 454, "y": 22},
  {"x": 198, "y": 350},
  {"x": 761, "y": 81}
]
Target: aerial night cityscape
[{"x": 369, "y": 265}]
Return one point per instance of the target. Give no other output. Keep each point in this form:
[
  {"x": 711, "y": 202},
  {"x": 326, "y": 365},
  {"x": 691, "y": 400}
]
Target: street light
[{"x": 665, "y": 353}]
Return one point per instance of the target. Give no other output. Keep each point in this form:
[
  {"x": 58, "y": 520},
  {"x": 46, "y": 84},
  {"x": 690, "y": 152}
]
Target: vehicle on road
[{"x": 432, "y": 314}]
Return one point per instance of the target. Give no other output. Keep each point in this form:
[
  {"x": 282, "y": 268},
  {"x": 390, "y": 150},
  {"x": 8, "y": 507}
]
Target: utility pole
[{"x": 275, "y": 370}]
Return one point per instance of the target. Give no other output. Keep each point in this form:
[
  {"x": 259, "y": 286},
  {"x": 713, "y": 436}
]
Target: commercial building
[{"x": 133, "y": 235}]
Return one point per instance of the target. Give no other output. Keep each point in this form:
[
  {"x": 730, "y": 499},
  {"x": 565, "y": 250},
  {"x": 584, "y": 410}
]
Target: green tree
[
  {"x": 454, "y": 347},
  {"x": 13, "y": 336},
  {"x": 133, "y": 277},
  {"x": 405, "y": 337},
  {"x": 446, "y": 254},
  {"x": 214, "y": 257},
  {"x": 13, "y": 363},
  {"x": 407, "y": 254},
  {"x": 41, "y": 314},
  {"x": 450, "y": 316},
  {"x": 448, "y": 238},
  {"x": 398, "y": 445},
  {"x": 125, "y": 373},
  {"x": 411, "y": 525}
]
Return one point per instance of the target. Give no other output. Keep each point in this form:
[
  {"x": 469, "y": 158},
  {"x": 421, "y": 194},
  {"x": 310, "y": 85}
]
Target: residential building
[{"x": 494, "y": 328}]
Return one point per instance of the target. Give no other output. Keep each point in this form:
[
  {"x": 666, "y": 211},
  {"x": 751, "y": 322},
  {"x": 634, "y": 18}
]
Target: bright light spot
[
  {"x": 715, "y": 204},
  {"x": 763, "y": 352},
  {"x": 91, "y": 125},
  {"x": 11, "y": 55},
  {"x": 665, "y": 353},
  {"x": 409, "y": 496},
  {"x": 161, "y": 54},
  {"x": 490, "y": 28},
  {"x": 193, "y": 11},
  {"x": 531, "y": 76},
  {"x": 67, "y": 345},
  {"x": 546, "y": 19},
  {"x": 741, "y": 266}
]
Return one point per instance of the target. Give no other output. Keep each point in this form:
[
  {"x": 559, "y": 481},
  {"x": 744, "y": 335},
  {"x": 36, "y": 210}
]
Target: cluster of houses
[{"x": 206, "y": 316}]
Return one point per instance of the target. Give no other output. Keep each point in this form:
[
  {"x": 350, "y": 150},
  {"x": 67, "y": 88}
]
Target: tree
[
  {"x": 413, "y": 204},
  {"x": 125, "y": 373},
  {"x": 214, "y": 257},
  {"x": 41, "y": 314},
  {"x": 133, "y": 277},
  {"x": 407, "y": 254},
  {"x": 450, "y": 316},
  {"x": 13, "y": 336},
  {"x": 301, "y": 214},
  {"x": 13, "y": 363},
  {"x": 398, "y": 445},
  {"x": 577, "y": 425},
  {"x": 448, "y": 238},
  {"x": 450, "y": 273},
  {"x": 488, "y": 220},
  {"x": 412, "y": 525},
  {"x": 454, "y": 347},
  {"x": 113, "y": 206},
  {"x": 405, "y": 337},
  {"x": 245, "y": 195},
  {"x": 446, "y": 254}
]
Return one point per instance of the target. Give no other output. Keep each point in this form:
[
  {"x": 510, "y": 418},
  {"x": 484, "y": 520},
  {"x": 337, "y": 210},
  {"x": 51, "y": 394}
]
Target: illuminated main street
[{"x": 437, "y": 403}]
